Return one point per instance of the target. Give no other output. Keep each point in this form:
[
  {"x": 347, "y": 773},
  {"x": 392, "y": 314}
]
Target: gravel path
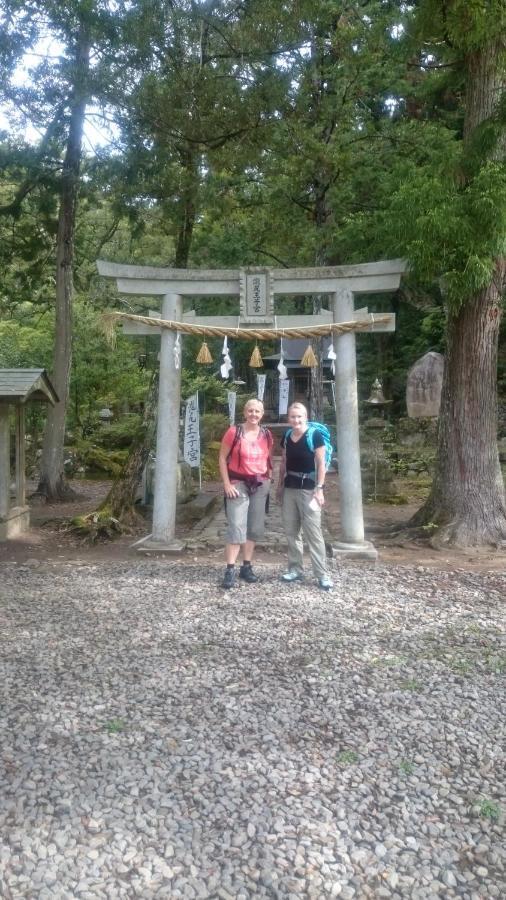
[{"x": 161, "y": 738}]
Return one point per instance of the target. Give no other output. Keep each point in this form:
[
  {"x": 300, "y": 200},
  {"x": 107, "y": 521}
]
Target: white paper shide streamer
[
  {"x": 177, "y": 352},
  {"x": 232, "y": 397},
  {"x": 261, "y": 386},
  {"x": 191, "y": 451},
  {"x": 331, "y": 354},
  {"x": 281, "y": 364},
  {"x": 227, "y": 362},
  {"x": 284, "y": 386}
]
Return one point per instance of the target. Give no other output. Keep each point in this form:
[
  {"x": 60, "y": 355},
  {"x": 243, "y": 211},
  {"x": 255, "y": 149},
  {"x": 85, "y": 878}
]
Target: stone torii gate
[{"x": 256, "y": 287}]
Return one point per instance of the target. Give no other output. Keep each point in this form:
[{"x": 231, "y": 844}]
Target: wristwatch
[{"x": 318, "y": 487}]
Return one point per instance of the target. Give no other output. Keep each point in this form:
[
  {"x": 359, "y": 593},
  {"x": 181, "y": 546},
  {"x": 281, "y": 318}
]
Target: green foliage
[
  {"x": 102, "y": 376},
  {"x": 119, "y": 435},
  {"x": 347, "y": 758},
  {"x": 25, "y": 346},
  {"x": 213, "y": 427},
  {"x": 115, "y": 726},
  {"x": 451, "y": 231},
  {"x": 487, "y": 808},
  {"x": 96, "y": 459},
  {"x": 465, "y": 24},
  {"x": 406, "y": 767},
  {"x": 212, "y": 391}
]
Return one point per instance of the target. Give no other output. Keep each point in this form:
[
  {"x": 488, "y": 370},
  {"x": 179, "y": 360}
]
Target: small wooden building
[
  {"x": 17, "y": 388},
  {"x": 298, "y": 376}
]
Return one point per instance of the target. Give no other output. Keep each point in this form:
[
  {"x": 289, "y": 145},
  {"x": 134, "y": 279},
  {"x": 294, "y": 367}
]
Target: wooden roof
[{"x": 19, "y": 386}]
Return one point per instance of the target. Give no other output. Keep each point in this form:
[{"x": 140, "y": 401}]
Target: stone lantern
[
  {"x": 105, "y": 415},
  {"x": 376, "y": 401}
]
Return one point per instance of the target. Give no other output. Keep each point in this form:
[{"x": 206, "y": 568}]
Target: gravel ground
[{"x": 162, "y": 738}]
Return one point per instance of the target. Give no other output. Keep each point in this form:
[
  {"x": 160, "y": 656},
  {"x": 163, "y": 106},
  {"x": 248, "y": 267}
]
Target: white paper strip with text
[
  {"x": 191, "y": 451},
  {"x": 284, "y": 386},
  {"x": 261, "y": 386}
]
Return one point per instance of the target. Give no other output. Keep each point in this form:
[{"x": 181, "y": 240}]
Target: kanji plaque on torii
[{"x": 256, "y": 295}]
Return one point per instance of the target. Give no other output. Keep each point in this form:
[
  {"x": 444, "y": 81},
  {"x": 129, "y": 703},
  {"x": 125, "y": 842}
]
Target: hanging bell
[
  {"x": 309, "y": 359},
  {"x": 204, "y": 355},
  {"x": 256, "y": 361}
]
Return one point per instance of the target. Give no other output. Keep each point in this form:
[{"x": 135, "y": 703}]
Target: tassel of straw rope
[
  {"x": 256, "y": 361},
  {"x": 309, "y": 359}
]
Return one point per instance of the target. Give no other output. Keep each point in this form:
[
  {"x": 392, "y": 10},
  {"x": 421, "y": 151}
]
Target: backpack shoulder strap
[{"x": 237, "y": 436}]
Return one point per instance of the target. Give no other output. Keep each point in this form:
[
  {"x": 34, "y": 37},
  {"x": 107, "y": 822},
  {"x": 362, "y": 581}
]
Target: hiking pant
[
  {"x": 246, "y": 513},
  {"x": 300, "y": 520}
]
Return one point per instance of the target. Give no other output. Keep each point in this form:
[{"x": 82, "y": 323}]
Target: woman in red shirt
[{"x": 245, "y": 468}]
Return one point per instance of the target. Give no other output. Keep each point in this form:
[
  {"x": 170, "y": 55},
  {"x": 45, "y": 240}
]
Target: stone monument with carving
[{"x": 423, "y": 389}]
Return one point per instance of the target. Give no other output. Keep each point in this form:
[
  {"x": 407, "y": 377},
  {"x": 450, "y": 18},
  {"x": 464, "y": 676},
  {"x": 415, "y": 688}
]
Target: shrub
[{"x": 120, "y": 434}]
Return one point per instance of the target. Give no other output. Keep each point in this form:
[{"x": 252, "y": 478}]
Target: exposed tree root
[
  {"x": 462, "y": 531},
  {"x": 101, "y": 525}
]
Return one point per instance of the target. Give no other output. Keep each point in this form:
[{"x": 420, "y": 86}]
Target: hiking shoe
[
  {"x": 325, "y": 583},
  {"x": 228, "y": 578},
  {"x": 291, "y": 575},
  {"x": 247, "y": 574}
]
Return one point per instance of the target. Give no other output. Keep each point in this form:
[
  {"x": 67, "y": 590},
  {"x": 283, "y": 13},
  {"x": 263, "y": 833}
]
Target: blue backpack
[{"x": 312, "y": 427}]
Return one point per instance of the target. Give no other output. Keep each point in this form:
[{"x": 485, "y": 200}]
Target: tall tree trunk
[
  {"x": 467, "y": 498},
  {"x": 188, "y": 205},
  {"x": 322, "y": 213},
  {"x": 52, "y": 483},
  {"x": 323, "y": 176}
]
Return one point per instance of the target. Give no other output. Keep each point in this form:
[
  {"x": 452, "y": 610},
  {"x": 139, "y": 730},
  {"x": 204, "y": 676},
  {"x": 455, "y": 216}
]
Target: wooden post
[
  {"x": 20, "y": 456},
  {"x": 5, "y": 461}
]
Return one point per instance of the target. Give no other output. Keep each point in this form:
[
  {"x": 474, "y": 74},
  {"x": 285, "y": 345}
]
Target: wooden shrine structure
[{"x": 17, "y": 388}]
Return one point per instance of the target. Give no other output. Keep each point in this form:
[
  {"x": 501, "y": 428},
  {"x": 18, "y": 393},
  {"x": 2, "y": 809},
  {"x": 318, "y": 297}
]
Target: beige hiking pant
[{"x": 299, "y": 520}]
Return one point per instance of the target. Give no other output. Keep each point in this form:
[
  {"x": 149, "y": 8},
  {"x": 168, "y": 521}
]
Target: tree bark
[
  {"x": 188, "y": 204},
  {"x": 467, "y": 498},
  {"x": 120, "y": 501},
  {"x": 52, "y": 482}
]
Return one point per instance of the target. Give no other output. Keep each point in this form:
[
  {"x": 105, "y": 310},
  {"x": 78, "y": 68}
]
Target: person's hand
[
  {"x": 231, "y": 492},
  {"x": 319, "y": 496}
]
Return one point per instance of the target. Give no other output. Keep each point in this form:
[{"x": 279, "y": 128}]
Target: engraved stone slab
[{"x": 423, "y": 389}]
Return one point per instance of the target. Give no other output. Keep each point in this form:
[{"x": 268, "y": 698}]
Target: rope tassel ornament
[
  {"x": 256, "y": 361},
  {"x": 204, "y": 355},
  {"x": 309, "y": 359}
]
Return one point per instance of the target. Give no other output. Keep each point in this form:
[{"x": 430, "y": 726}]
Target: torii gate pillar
[
  {"x": 352, "y": 541},
  {"x": 167, "y": 436}
]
